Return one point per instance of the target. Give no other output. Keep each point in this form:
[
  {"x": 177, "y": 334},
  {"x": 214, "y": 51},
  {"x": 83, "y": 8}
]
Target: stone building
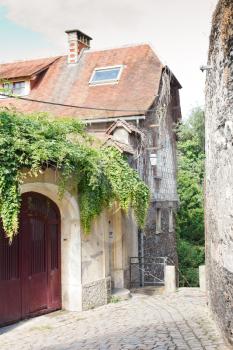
[
  {"x": 219, "y": 168},
  {"x": 130, "y": 100}
]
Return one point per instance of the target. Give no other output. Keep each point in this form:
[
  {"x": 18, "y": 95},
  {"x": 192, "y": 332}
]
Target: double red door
[{"x": 30, "y": 268}]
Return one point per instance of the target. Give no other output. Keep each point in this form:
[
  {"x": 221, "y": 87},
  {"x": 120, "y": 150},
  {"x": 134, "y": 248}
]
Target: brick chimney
[{"x": 77, "y": 41}]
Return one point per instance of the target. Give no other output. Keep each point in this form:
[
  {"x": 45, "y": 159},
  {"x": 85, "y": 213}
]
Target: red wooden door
[
  {"x": 10, "y": 286},
  {"x": 31, "y": 266}
]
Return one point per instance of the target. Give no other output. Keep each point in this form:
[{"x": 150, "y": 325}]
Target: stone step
[{"x": 149, "y": 290}]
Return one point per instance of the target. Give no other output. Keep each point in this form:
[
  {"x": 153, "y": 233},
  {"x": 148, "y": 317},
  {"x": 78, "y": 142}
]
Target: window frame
[
  {"x": 13, "y": 90},
  {"x": 171, "y": 220},
  {"x": 158, "y": 221},
  {"x": 106, "y": 81}
]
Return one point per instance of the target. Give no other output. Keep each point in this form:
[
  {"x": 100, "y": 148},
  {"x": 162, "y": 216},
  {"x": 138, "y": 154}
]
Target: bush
[
  {"x": 190, "y": 216},
  {"x": 190, "y": 258}
]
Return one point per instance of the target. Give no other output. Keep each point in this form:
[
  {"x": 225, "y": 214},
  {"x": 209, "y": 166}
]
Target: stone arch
[{"x": 71, "y": 275}]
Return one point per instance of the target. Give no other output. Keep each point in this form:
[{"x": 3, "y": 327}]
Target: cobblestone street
[{"x": 179, "y": 321}]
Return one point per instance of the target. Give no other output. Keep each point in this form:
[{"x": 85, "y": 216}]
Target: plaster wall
[
  {"x": 123, "y": 243},
  {"x": 122, "y": 135},
  {"x": 96, "y": 279},
  {"x": 93, "y": 251}
]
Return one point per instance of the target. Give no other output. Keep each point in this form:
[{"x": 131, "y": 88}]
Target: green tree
[{"x": 190, "y": 217}]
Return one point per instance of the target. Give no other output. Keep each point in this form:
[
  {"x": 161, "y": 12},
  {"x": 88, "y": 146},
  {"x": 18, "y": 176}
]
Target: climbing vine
[{"x": 31, "y": 144}]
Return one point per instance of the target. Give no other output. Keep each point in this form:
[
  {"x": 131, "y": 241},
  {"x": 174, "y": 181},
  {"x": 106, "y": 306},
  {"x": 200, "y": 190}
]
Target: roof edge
[
  {"x": 173, "y": 77},
  {"x": 32, "y": 59},
  {"x": 124, "y": 46}
]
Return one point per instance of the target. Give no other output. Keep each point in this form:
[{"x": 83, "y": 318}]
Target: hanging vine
[{"x": 101, "y": 175}]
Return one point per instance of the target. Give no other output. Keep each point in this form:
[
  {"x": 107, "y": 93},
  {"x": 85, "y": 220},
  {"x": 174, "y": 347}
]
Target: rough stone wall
[
  {"x": 96, "y": 293},
  {"x": 219, "y": 168},
  {"x": 161, "y": 244},
  {"x": 161, "y": 140},
  {"x": 159, "y": 128}
]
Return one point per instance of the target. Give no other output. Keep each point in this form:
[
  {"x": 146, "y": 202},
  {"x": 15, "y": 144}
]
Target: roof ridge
[
  {"x": 125, "y": 124},
  {"x": 124, "y": 46}
]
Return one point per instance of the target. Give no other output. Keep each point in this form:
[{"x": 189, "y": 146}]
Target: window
[
  {"x": 171, "y": 224},
  {"x": 19, "y": 88},
  {"x": 153, "y": 159},
  {"x": 157, "y": 184},
  {"x": 106, "y": 75},
  {"x": 158, "y": 221},
  {"x": 16, "y": 88}
]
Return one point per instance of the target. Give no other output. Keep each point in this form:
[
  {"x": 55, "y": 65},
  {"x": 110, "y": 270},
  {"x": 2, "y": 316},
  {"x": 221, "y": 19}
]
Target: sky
[{"x": 178, "y": 30}]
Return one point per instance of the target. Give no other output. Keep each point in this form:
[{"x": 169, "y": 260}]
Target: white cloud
[{"x": 53, "y": 17}]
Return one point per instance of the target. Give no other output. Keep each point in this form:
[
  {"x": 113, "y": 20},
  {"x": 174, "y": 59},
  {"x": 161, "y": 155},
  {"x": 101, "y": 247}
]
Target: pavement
[{"x": 163, "y": 322}]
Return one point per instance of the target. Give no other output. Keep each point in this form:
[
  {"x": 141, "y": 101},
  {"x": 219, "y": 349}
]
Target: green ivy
[{"x": 101, "y": 175}]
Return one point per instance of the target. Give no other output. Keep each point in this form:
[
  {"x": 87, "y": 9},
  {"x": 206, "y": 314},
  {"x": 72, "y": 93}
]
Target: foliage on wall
[
  {"x": 35, "y": 142},
  {"x": 190, "y": 217}
]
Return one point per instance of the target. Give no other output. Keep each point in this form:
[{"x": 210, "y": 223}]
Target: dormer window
[
  {"x": 106, "y": 75},
  {"x": 19, "y": 88}
]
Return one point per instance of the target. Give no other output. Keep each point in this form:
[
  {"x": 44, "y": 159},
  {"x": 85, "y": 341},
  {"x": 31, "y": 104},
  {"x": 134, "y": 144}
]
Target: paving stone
[{"x": 177, "y": 322}]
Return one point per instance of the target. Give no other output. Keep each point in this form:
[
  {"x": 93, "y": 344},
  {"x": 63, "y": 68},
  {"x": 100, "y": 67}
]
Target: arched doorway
[{"x": 30, "y": 269}]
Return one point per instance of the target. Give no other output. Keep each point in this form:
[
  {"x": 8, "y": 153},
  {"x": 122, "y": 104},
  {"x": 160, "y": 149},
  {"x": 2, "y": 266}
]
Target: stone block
[
  {"x": 170, "y": 279},
  {"x": 202, "y": 278}
]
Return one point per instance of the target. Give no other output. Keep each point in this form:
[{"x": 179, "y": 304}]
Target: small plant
[{"x": 114, "y": 299}]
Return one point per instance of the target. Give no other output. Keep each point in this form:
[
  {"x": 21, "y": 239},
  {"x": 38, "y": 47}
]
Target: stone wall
[
  {"x": 161, "y": 140},
  {"x": 96, "y": 293},
  {"x": 153, "y": 239},
  {"x": 219, "y": 168}
]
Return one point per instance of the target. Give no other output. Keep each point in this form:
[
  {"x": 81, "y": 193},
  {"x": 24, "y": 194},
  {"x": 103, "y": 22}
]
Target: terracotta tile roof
[
  {"x": 69, "y": 84},
  {"x": 24, "y": 69}
]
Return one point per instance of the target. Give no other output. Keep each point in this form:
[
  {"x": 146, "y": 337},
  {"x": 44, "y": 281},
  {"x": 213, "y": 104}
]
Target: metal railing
[{"x": 149, "y": 271}]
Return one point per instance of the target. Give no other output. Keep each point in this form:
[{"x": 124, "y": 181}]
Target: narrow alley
[{"x": 179, "y": 321}]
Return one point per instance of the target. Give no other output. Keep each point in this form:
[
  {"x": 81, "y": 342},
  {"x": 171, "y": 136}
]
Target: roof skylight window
[{"x": 106, "y": 75}]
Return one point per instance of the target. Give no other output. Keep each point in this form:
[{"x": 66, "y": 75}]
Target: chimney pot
[{"x": 77, "y": 41}]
